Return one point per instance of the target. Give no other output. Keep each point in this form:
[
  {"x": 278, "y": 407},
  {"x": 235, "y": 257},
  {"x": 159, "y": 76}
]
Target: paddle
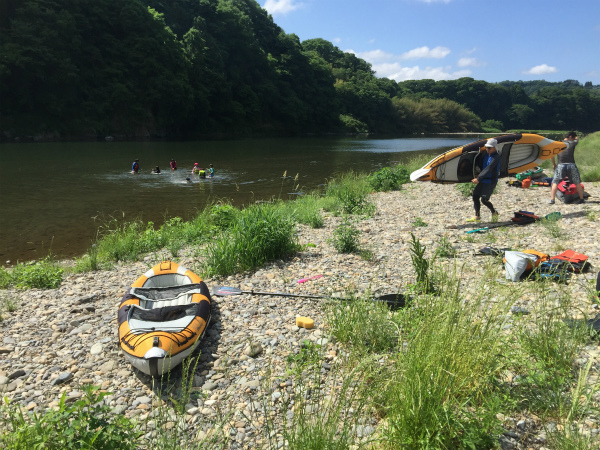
[{"x": 394, "y": 301}]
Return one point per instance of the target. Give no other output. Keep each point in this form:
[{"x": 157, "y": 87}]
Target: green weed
[
  {"x": 314, "y": 419},
  {"x": 306, "y": 210},
  {"x": 549, "y": 348},
  {"x": 223, "y": 215},
  {"x": 553, "y": 228},
  {"x": 466, "y": 189},
  {"x": 389, "y": 179},
  {"x": 87, "y": 423},
  {"x": 445, "y": 249},
  {"x": 590, "y": 215},
  {"x": 9, "y": 304},
  {"x": 345, "y": 237},
  {"x": 438, "y": 393},
  {"x": 261, "y": 233},
  {"x": 351, "y": 193},
  {"x": 418, "y": 222},
  {"x": 44, "y": 274},
  {"x": 420, "y": 265},
  {"x": 362, "y": 325},
  {"x": 309, "y": 355}
]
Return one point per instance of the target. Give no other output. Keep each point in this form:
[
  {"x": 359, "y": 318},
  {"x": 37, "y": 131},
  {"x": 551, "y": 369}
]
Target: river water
[{"x": 54, "y": 196}]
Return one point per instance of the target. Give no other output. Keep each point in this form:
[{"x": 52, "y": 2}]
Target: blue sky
[{"x": 448, "y": 39}]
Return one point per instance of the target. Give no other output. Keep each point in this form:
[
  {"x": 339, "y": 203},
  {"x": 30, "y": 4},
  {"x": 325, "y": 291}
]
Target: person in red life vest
[
  {"x": 486, "y": 181},
  {"x": 173, "y": 164},
  {"x": 566, "y": 168},
  {"x": 135, "y": 167}
]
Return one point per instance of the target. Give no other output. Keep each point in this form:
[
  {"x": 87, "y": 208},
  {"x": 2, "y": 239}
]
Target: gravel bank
[{"x": 57, "y": 340}]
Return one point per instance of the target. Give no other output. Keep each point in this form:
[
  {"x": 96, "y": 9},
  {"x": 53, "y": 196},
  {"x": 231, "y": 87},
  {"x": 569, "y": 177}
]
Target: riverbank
[{"x": 57, "y": 340}]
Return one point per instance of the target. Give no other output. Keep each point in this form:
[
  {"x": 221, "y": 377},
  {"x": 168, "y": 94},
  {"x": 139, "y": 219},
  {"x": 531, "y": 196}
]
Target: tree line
[{"x": 192, "y": 68}]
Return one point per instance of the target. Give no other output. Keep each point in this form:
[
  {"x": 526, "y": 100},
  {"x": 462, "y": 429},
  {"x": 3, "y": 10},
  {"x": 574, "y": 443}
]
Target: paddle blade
[
  {"x": 393, "y": 301},
  {"x": 418, "y": 174},
  {"x": 222, "y": 291}
]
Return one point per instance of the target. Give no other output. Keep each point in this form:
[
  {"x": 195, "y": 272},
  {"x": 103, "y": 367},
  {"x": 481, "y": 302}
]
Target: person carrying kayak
[{"x": 486, "y": 181}]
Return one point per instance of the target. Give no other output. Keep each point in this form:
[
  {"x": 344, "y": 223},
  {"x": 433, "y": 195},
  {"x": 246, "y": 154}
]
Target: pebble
[
  {"x": 243, "y": 357},
  {"x": 96, "y": 348}
]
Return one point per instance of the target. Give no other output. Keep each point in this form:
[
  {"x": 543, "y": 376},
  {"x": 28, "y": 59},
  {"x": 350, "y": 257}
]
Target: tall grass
[
  {"x": 44, "y": 274},
  {"x": 439, "y": 384},
  {"x": 87, "y": 423},
  {"x": 389, "y": 178},
  {"x": 351, "y": 193},
  {"x": 307, "y": 209},
  {"x": 261, "y": 233},
  {"x": 587, "y": 157},
  {"x": 327, "y": 409},
  {"x": 447, "y": 367},
  {"x": 362, "y": 325}
]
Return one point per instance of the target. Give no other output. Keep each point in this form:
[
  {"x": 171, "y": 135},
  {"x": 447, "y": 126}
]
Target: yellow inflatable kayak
[
  {"x": 519, "y": 152},
  {"x": 162, "y": 317}
]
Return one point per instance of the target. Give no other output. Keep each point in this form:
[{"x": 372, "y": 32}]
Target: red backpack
[{"x": 568, "y": 188}]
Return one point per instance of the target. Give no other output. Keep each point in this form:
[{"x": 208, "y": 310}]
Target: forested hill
[{"x": 189, "y": 68}]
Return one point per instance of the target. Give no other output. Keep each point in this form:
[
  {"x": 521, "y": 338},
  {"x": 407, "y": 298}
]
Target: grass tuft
[{"x": 44, "y": 274}]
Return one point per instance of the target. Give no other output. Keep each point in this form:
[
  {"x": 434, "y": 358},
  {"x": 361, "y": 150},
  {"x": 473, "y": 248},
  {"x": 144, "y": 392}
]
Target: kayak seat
[{"x": 181, "y": 300}]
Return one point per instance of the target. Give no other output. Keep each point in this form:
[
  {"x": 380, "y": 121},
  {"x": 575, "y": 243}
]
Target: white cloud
[
  {"x": 434, "y": 1},
  {"x": 336, "y": 40},
  {"x": 281, "y": 6},
  {"x": 380, "y": 56},
  {"x": 469, "y": 62},
  {"x": 397, "y": 72},
  {"x": 375, "y": 56},
  {"x": 425, "y": 52},
  {"x": 389, "y": 65},
  {"x": 542, "y": 69}
]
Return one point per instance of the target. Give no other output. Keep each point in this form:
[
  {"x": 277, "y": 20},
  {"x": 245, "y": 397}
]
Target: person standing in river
[{"x": 135, "y": 167}]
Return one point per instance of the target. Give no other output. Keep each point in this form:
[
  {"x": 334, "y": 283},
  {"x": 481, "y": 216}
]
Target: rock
[
  {"x": 62, "y": 378},
  {"x": 5, "y": 350},
  {"x": 209, "y": 386},
  {"x": 253, "y": 349},
  {"x": 96, "y": 348},
  {"x": 86, "y": 299},
  {"x": 507, "y": 443},
  {"x": 108, "y": 366},
  {"x": 253, "y": 384},
  {"x": 10, "y": 387},
  {"x": 16, "y": 374}
]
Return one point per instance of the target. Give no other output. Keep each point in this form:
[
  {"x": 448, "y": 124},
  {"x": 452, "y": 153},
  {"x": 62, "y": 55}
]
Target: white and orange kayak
[
  {"x": 162, "y": 317},
  {"x": 519, "y": 152}
]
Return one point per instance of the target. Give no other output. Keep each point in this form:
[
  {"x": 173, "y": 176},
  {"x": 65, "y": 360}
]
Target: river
[{"x": 55, "y": 196}]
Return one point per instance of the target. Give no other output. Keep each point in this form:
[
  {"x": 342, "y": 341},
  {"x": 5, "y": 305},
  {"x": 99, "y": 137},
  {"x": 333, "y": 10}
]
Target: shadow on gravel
[{"x": 509, "y": 223}]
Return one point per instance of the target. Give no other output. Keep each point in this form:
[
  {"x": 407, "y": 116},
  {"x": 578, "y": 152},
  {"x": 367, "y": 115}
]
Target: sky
[{"x": 449, "y": 39}]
